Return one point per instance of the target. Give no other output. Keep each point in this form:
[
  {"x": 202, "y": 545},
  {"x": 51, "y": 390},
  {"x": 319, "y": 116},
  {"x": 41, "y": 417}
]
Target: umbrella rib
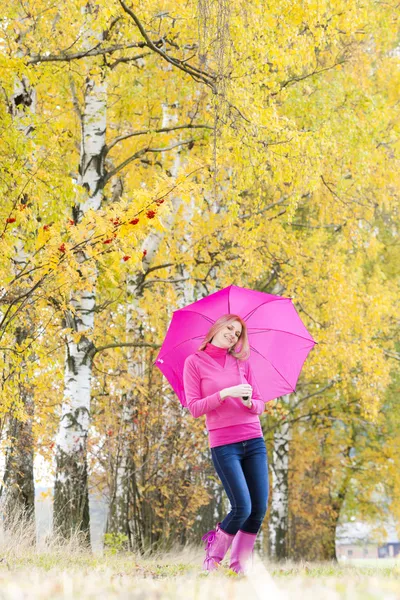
[
  {"x": 273, "y": 366},
  {"x": 284, "y": 331},
  {"x": 262, "y": 304},
  {"x": 195, "y": 312},
  {"x": 180, "y": 344}
]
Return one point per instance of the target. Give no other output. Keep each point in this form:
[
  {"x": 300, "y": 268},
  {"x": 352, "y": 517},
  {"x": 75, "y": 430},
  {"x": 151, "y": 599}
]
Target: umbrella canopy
[{"x": 279, "y": 341}]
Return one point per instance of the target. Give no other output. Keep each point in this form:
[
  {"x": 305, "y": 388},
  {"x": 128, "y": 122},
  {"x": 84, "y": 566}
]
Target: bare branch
[
  {"x": 11, "y": 350},
  {"x": 138, "y": 155},
  {"x": 151, "y": 281},
  {"x": 159, "y": 267},
  {"x": 197, "y": 74},
  {"x": 260, "y": 212},
  {"x": 150, "y": 131},
  {"x": 332, "y": 226},
  {"x": 106, "y": 32},
  {"x": 93, "y": 350},
  {"x": 129, "y": 60},
  {"x": 396, "y": 356},
  {"x": 309, "y": 316},
  {"x": 332, "y": 191},
  {"x": 300, "y": 78},
  {"x": 96, "y": 51}
]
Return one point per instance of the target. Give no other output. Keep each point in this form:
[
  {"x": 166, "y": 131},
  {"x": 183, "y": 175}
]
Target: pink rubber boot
[
  {"x": 242, "y": 551},
  {"x": 217, "y": 545}
]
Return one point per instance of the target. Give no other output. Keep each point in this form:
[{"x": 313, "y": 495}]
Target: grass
[{"x": 57, "y": 570}]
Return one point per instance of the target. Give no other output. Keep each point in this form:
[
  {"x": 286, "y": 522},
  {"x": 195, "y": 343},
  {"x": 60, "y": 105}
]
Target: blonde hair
[{"x": 241, "y": 349}]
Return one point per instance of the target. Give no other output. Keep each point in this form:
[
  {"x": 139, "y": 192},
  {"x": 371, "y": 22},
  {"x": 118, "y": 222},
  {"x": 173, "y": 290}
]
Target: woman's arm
[{"x": 197, "y": 405}]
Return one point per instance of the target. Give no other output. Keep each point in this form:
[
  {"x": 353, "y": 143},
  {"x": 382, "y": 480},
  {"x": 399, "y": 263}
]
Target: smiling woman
[
  {"x": 231, "y": 328},
  {"x": 218, "y": 386}
]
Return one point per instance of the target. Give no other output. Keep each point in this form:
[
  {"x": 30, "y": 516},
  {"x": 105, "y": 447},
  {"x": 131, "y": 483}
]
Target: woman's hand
[
  {"x": 248, "y": 403},
  {"x": 238, "y": 391}
]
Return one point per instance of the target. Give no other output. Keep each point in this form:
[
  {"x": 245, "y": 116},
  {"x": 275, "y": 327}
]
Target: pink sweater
[{"x": 230, "y": 420}]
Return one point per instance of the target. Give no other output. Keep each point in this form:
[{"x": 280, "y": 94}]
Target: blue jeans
[{"x": 243, "y": 470}]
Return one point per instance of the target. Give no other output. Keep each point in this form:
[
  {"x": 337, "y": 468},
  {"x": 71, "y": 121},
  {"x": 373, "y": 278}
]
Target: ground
[{"x": 68, "y": 573}]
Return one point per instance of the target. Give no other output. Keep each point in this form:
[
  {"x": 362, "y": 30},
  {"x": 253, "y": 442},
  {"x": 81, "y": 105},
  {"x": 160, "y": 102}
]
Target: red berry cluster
[{"x": 110, "y": 239}]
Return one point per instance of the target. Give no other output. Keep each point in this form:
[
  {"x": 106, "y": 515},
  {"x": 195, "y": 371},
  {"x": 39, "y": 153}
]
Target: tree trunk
[
  {"x": 278, "y": 523},
  {"x": 329, "y": 544},
  {"x": 71, "y": 498},
  {"x": 18, "y": 487}
]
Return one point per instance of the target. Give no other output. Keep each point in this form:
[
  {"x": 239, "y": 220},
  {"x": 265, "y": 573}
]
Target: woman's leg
[
  {"x": 227, "y": 462},
  {"x": 255, "y": 469}
]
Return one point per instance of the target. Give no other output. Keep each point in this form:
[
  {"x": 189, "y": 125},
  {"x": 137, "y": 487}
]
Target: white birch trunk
[
  {"x": 185, "y": 287},
  {"x": 17, "y": 489},
  {"x": 278, "y": 523},
  {"x": 71, "y": 500}
]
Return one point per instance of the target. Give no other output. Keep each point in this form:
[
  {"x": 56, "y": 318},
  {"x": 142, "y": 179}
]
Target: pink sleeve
[
  {"x": 197, "y": 405},
  {"x": 258, "y": 402}
]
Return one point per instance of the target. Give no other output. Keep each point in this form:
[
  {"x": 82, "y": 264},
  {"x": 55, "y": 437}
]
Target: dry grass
[{"x": 59, "y": 570}]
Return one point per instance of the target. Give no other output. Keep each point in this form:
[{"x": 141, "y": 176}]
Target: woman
[{"x": 219, "y": 383}]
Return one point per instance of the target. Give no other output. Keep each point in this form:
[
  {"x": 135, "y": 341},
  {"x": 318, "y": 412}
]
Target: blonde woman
[{"x": 219, "y": 383}]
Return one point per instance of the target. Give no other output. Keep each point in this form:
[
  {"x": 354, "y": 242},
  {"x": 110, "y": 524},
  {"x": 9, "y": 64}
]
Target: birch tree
[
  {"x": 279, "y": 512},
  {"x": 17, "y": 488},
  {"x": 71, "y": 497}
]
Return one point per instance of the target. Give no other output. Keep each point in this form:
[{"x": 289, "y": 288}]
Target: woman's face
[{"x": 227, "y": 335}]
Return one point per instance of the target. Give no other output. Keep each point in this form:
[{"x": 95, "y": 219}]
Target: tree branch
[
  {"x": 260, "y": 212},
  {"x": 297, "y": 79},
  {"x": 159, "y": 267},
  {"x": 96, "y": 51},
  {"x": 149, "y": 131},
  {"x": 150, "y": 281},
  {"x": 392, "y": 355},
  {"x": 332, "y": 191},
  {"x": 335, "y": 227},
  {"x": 93, "y": 350},
  {"x": 197, "y": 74},
  {"x": 128, "y": 60},
  {"x": 138, "y": 154}
]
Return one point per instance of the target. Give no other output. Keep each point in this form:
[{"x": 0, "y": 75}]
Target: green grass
[
  {"x": 61, "y": 575},
  {"x": 56, "y": 570}
]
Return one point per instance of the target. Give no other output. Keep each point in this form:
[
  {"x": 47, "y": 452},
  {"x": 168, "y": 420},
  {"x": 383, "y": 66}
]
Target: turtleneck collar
[
  {"x": 211, "y": 349},
  {"x": 218, "y": 354}
]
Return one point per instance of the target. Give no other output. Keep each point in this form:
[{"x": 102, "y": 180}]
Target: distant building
[
  {"x": 389, "y": 550},
  {"x": 357, "y": 540}
]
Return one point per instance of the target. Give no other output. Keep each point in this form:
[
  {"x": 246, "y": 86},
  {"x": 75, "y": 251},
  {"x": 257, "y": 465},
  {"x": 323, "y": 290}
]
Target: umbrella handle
[{"x": 242, "y": 380}]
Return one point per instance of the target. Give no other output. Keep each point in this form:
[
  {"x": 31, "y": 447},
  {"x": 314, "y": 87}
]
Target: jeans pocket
[{"x": 220, "y": 450}]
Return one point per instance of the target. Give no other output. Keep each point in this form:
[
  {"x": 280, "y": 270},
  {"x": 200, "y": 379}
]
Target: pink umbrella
[{"x": 279, "y": 341}]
